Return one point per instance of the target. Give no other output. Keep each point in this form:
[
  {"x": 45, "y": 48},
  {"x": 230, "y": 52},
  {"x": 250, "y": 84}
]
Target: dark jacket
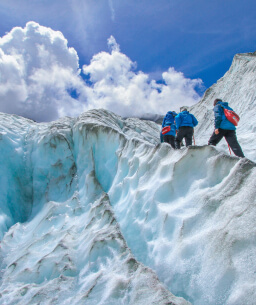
[
  {"x": 185, "y": 118},
  {"x": 169, "y": 120},
  {"x": 220, "y": 119}
]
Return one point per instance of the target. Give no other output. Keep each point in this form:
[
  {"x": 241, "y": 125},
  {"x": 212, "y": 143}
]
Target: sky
[{"x": 64, "y": 57}]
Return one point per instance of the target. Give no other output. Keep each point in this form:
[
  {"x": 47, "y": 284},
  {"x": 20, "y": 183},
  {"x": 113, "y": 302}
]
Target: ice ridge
[
  {"x": 61, "y": 242},
  {"x": 95, "y": 211}
]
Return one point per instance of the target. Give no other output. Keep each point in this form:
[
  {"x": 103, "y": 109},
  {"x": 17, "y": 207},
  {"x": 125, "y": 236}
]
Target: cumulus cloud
[
  {"x": 38, "y": 71},
  {"x": 119, "y": 88}
]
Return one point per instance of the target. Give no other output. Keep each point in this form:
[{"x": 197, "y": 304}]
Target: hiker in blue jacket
[
  {"x": 224, "y": 128},
  {"x": 169, "y": 120},
  {"x": 185, "y": 123}
]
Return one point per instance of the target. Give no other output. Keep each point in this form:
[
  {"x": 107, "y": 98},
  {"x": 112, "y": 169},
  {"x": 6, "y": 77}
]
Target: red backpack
[
  {"x": 231, "y": 116},
  {"x": 166, "y": 129}
]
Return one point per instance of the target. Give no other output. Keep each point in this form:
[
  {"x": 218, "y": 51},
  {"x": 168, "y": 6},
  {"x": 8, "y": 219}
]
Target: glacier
[
  {"x": 94, "y": 210},
  {"x": 61, "y": 242}
]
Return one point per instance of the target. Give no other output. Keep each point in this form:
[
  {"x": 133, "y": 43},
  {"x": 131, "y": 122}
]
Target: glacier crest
[{"x": 95, "y": 211}]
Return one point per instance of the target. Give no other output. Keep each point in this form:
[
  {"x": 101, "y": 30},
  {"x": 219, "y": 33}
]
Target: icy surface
[
  {"x": 61, "y": 243},
  {"x": 194, "y": 213},
  {"x": 95, "y": 210}
]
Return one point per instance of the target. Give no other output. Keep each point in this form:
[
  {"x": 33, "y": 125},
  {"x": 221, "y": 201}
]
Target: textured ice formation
[
  {"x": 61, "y": 243},
  {"x": 194, "y": 212}
]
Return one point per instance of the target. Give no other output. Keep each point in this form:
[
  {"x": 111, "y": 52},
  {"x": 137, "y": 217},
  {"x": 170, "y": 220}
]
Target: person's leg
[
  {"x": 170, "y": 140},
  {"x": 231, "y": 138},
  {"x": 188, "y": 136},
  {"x": 165, "y": 138},
  {"x": 179, "y": 138},
  {"x": 215, "y": 138}
]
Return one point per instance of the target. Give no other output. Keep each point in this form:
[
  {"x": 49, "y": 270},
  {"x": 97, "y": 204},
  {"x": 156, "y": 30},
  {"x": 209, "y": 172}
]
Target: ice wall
[
  {"x": 16, "y": 177},
  {"x": 61, "y": 242},
  {"x": 194, "y": 214},
  {"x": 107, "y": 215}
]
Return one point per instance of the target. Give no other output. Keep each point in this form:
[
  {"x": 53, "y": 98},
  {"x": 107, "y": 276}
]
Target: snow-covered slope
[
  {"x": 95, "y": 211},
  {"x": 62, "y": 243},
  {"x": 85, "y": 202},
  {"x": 237, "y": 87}
]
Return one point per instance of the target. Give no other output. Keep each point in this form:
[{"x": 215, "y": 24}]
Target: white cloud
[
  {"x": 113, "y": 45},
  {"x": 38, "y": 69},
  {"x": 117, "y": 87}
]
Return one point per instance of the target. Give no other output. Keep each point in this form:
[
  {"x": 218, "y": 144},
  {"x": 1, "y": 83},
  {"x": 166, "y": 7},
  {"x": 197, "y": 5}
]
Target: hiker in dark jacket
[
  {"x": 169, "y": 120},
  {"x": 185, "y": 123},
  {"x": 224, "y": 128}
]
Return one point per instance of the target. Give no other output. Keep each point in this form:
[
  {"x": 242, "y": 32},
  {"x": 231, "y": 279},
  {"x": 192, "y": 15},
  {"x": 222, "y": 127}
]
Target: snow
[
  {"x": 189, "y": 216},
  {"x": 61, "y": 242},
  {"x": 94, "y": 210}
]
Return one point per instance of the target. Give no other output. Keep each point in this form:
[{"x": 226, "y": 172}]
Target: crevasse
[{"x": 67, "y": 247}]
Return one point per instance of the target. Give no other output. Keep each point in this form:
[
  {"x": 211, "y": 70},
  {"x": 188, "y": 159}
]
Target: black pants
[
  {"x": 230, "y": 136},
  {"x": 184, "y": 132},
  {"x": 169, "y": 139}
]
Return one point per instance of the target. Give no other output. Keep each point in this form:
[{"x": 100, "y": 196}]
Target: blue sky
[{"x": 198, "y": 38}]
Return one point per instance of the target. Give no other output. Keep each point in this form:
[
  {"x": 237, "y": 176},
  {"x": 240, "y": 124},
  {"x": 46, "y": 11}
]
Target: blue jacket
[
  {"x": 185, "y": 118},
  {"x": 220, "y": 119},
  {"x": 161, "y": 137},
  {"x": 169, "y": 121}
]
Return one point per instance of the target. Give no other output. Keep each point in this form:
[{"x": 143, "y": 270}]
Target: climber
[
  {"x": 224, "y": 128},
  {"x": 168, "y": 128},
  {"x": 185, "y": 123}
]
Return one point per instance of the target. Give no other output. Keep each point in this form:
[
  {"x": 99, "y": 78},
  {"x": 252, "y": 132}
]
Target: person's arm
[
  {"x": 218, "y": 118},
  {"x": 195, "y": 121},
  {"x": 177, "y": 121}
]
